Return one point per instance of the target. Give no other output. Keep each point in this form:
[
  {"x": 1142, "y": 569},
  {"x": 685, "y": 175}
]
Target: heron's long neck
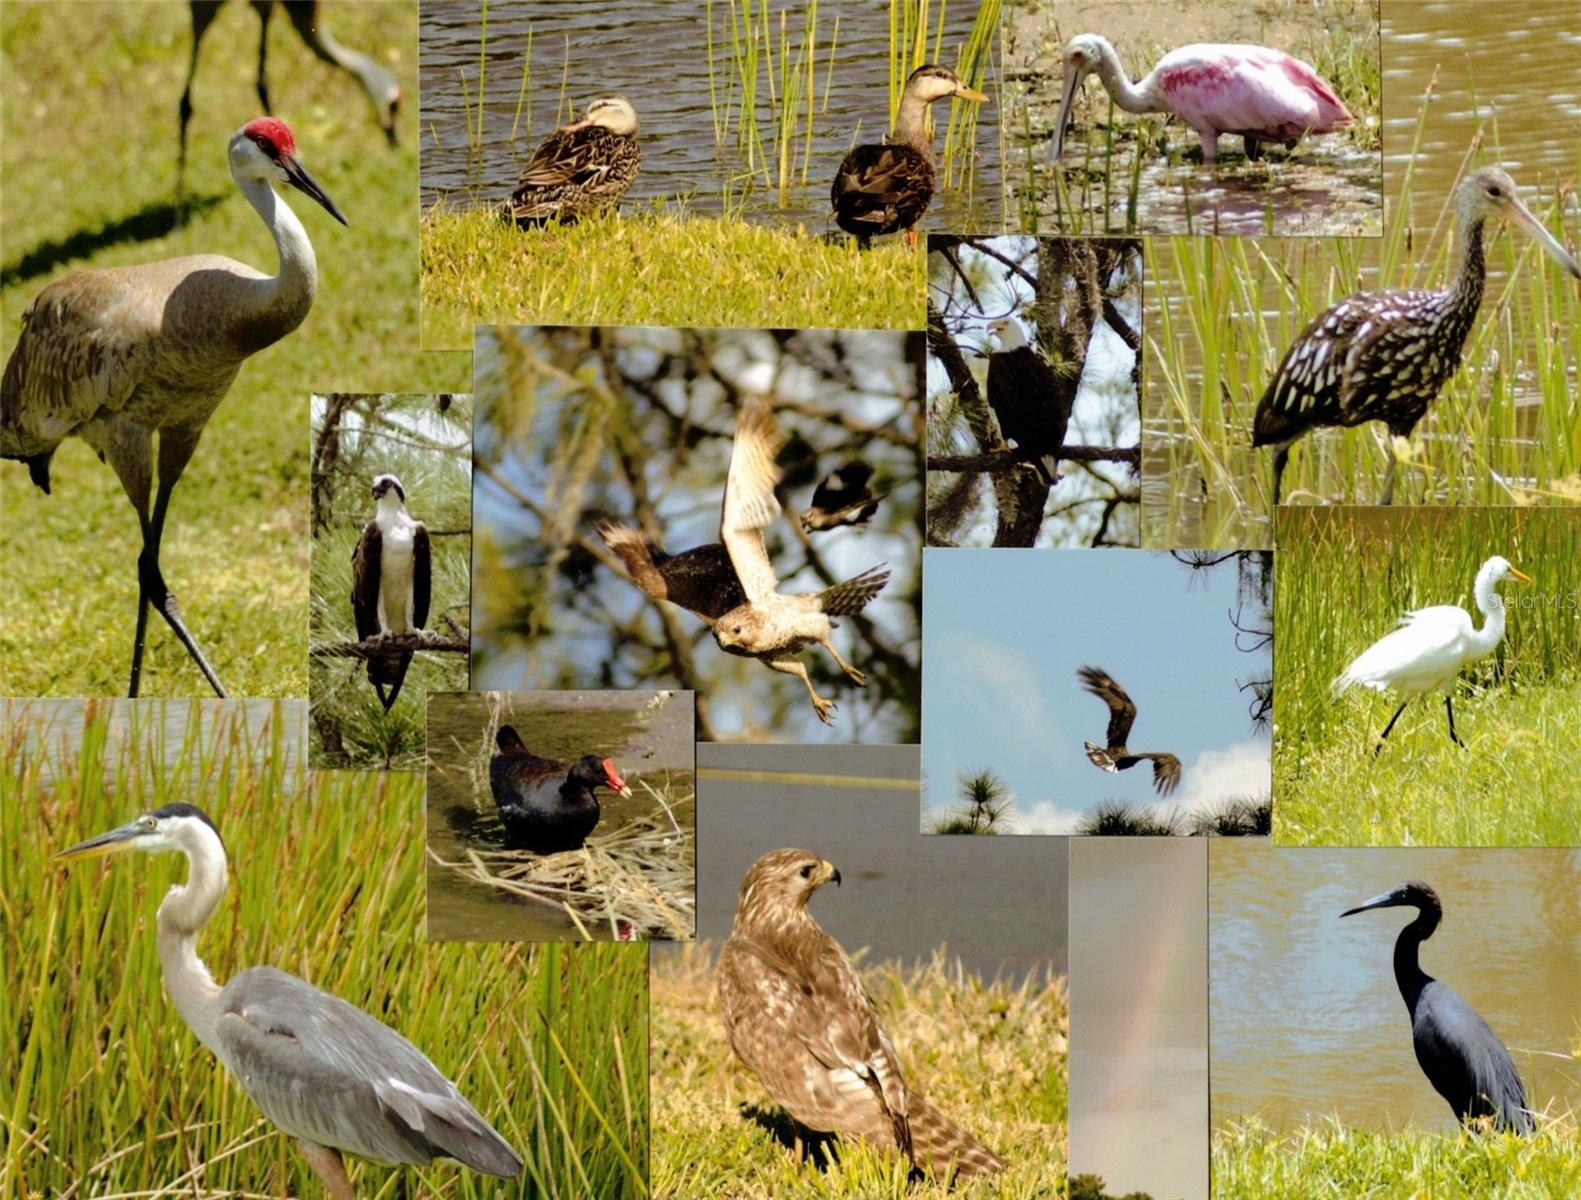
[
  {"x": 1133, "y": 98},
  {"x": 1492, "y": 606},
  {"x": 279, "y": 304},
  {"x": 185, "y": 909},
  {"x": 911, "y": 124},
  {"x": 1408, "y": 971}
]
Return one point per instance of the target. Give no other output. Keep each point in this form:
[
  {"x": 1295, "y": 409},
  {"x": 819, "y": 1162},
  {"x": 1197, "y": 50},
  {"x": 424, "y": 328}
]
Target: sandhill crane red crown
[{"x": 114, "y": 356}]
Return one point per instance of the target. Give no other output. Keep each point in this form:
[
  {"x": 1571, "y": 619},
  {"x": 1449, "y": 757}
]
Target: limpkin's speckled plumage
[
  {"x": 581, "y": 168},
  {"x": 1384, "y": 356},
  {"x": 885, "y": 187}
]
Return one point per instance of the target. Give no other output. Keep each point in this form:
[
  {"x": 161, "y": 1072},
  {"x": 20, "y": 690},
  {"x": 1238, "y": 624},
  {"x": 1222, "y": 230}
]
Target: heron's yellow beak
[
  {"x": 965, "y": 93},
  {"x": 826, "y": 872},
  {"x": 1521, "y": 575},
  {"x": 113, "y": 842}
]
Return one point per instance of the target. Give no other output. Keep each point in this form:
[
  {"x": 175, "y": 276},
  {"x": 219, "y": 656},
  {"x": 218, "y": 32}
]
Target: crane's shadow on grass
[
  {"x": 820, "y": 1149},
  {"x": 148, "y": 223}
]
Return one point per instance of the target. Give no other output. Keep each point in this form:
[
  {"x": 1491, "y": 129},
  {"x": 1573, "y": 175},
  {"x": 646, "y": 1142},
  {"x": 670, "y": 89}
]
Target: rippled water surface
[{"x": 658, "y": 56}]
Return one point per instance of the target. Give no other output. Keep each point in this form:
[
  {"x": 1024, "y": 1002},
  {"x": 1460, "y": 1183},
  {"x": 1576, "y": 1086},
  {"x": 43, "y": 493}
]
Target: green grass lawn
[
  {"x": 1331, "y": 1162},
  {"x": 991, "y": 1056},
  {"x": 89, "y": 172},
  {"x": 1344, "y": 578},
  {"x": 107, "y": 1093},
  {"x": 658, "y": 268}
]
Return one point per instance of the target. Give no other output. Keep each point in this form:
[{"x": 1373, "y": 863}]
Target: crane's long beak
[
  {"x": 113, "y": 842},
  {"x": 1535, "y": 229},
  {"x": 1521, "y": 575},
  {"x": 1072, "y": 84},
  {"x": 296, "y": 174},
  {"x": 1389, "y": 899}
]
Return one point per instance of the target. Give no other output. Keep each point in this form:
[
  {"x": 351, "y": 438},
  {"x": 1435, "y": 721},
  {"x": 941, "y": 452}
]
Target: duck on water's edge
[{"x": 547, "y": 806}]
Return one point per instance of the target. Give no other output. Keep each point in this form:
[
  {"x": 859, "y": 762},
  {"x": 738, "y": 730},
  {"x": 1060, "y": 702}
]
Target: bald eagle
[
  {"x": 391, "y": 577},
  {"x": 1027, "y": 399}
]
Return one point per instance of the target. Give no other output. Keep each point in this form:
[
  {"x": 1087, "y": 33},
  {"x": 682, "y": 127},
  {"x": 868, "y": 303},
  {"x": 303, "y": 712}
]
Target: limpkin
[{"x": 1385, "y": 356}]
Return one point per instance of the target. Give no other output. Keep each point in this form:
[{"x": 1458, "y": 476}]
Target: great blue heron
[
  {"x": 1461, "y": 1057},
  {"x": 324, "y": 1072}
]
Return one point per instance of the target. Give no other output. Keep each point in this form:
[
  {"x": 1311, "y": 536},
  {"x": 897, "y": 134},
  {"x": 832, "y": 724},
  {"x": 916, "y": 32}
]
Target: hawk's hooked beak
[{"x": 826, "y": 872}]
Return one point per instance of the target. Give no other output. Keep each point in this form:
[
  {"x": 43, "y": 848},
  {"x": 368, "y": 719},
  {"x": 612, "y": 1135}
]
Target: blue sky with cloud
[{"x": 1005, "y": 632}]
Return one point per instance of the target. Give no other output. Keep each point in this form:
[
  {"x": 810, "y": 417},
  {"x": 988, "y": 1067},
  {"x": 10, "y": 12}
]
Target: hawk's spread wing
[
  {"x": 1122, "y": 713},
  {"x": 749, "y": 499},
  {"x": 1166, "y": 772}
]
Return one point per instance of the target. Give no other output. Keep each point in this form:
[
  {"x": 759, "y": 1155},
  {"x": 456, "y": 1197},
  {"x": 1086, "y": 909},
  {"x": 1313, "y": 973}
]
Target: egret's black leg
[
  {"x": 1388, "y": 727},
  {"x": 1449, "y": 707}
]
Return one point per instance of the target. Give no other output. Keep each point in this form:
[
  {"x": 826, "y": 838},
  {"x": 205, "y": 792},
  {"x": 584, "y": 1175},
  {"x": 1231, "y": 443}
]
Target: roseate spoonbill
[
  {"x": 885, "y": 187},
  {"x": 322, "y": 1070},
  {"x": 1430, "y": 646},
  {"x": 1122, "y": 715},
  {"x": 391, "y": 582},
  {"x": 116, "y": 355},
  {"x": 1385, "y": 356},
  {"x": 580, "y": 168},
  {"x": 1462, "y": 1058},
  {"x": 1258, "y": 93}
]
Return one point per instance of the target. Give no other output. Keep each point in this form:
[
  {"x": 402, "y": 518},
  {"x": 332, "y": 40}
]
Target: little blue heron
[{"x": 1462, "y": 1058}]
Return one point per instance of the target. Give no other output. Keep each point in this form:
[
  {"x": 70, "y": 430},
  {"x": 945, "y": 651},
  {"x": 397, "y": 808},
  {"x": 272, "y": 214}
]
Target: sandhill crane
[
  {"x": 380, "y": 85},
  {"x": 115, "y": 355}
]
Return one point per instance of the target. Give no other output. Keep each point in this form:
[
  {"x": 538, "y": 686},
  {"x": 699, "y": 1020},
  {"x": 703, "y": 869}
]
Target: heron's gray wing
[
  {"x": 325, "y": 1071},
  {"x": 1122, "y": 713},
  {"x": 422, "y": 575},
  {"x": 366, "y": 563},
  {"x": 1465, "y": 1060},
  {"x": 750, "y": 503}
]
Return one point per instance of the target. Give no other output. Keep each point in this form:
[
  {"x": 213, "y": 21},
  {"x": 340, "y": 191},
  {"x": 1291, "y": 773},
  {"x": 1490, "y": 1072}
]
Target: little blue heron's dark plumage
[
  {"x": 1385, "y": 356},
  {"x": 1460, "y": 1055}
]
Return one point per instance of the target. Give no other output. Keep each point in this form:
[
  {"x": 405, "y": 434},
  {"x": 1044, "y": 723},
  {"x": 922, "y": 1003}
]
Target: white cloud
[
  {"x": 1218, "y": 775},
  {"x": 1043, "y": 817},
  {"x": 1002, "y": 678}
]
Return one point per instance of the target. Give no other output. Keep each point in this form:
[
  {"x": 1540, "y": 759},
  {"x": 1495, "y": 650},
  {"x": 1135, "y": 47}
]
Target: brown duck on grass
[{"x": 547, "y": 806}]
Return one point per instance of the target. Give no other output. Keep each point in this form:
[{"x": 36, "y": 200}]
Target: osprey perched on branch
[{"x": 391, "y": 581}]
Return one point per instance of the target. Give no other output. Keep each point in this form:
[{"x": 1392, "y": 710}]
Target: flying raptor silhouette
[{"x": 1122, "y": 715}]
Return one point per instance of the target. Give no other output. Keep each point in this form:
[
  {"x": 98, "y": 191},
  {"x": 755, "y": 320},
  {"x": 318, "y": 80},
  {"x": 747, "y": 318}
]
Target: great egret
[{"x": 1430, "y": 646}]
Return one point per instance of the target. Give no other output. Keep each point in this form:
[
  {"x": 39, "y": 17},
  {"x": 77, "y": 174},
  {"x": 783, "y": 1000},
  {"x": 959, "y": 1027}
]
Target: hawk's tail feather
[
  {"x": 943, "y": 1146},
  {"x": 851, "y": 597}
]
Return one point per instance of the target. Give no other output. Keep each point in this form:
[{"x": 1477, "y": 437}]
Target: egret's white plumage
[{"x": 1429, "y": 647}]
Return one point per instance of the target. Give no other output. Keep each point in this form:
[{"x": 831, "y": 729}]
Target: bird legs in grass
[
  {"x": 329, "y": 1167},
  {"x": 1449, "y": 707},
  {"x": 129, "y": 454}
]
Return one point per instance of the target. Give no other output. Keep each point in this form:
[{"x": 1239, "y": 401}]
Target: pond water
[
  {"x": 643, "y": 737},
  {"x": 1331, "y": 185},
  {"x": 1306, "y": 1019},
  {"x": 658, "y": 56}
]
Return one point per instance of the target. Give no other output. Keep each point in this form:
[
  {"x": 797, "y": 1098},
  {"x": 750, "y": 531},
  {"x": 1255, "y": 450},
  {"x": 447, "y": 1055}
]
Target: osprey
[
  {"x": 391, "y": 576},
  {"x": 1116, "y": 756},
  {"x": 1027, "y": 399}
]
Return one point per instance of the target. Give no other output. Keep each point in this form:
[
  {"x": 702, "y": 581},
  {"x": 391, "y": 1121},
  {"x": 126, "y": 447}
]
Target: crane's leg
[
  {"x": 1388, "y": 481},
  {"x": 265, "y": 10},
  {"x": 1389, "y": 726},
  {"x": 1449, "y": 707},
  {"x": 329, "y": 1167},
  {"x": 1281, "y": 457},
  {"x": 175, "y": 448},
  {"x": 203, "y": 14},
  {"x": 379, "y": 84},
  {"x": 794, "y": 666}
]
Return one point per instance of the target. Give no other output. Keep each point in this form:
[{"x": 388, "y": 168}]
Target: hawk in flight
[
  {"x": 1122, "y": 715},
  {"x": 797, "y": 1015},
  {"x": 733, "y": 587}
]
